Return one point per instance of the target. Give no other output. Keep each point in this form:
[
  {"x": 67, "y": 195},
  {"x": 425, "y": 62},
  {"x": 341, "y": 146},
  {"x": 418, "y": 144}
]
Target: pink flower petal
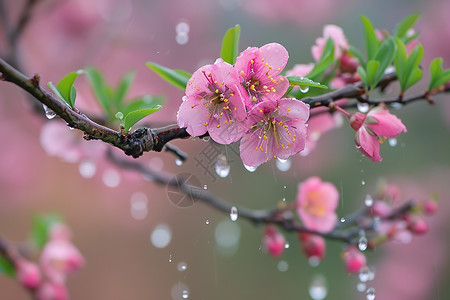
[{"x": 368, "y": 144}]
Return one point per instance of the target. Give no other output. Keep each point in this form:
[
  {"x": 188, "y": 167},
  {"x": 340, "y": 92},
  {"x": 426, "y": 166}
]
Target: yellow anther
[
  {"x": 218, "y": 126},
  {"x": 242, "y": 73},
  {"x": 252, "y": 61},
  {"x": 262, "y": 59}
]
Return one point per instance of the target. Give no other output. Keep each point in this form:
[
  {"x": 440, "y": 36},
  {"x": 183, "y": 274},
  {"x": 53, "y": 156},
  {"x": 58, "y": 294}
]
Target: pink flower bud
[
  {"x": 52, "y": 291},
  {"x": 312, "y": 245},
  {"x": 418, "y": 226},
  {"x": 274, "y": 241},
  {"x": 357, "y": 120},
  {"x": 380, "y": 209},
  {"x": 354, "y": 260},
  {"x": 430, "y": 207},
  {"x": 28, "y": 274},
  {"x": 60, "y": 258}
]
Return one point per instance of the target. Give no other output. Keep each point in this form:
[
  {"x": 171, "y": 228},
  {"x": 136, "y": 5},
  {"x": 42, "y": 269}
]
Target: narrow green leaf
[
  {"x": 143, "y": 102},
  {"x": 443, "y": 78},
  {"x": 230, "y": 45},
  {"x": 66, "y": 88},
  {"x": 100, "y": 89},
  {"x": 385, "y": 55},
  {"x": 184, "y": 73},
  {"x": 137, "y": 115},
  {"x": 362, "y": 73},
  {"x": 356, "y": 53},
  {"x": 122, "y": 89},
  {"x": 400, "y": 62},
  {"x": 7, "y": 268},
  {"x": 371, "y": 71},
  {"x": 175, "y": 77},
  {"x": 372, "y": 42},
  {"x": 55, "y": 90},
  {"x": 407, "y": 23},
  {"x": 413, "y": 72},
  {"x": 414, "y": 77},
  {"x": 325, "y": 61},
  {"x": 302, "y": 81},
  {"x": 40, "y": 228}
]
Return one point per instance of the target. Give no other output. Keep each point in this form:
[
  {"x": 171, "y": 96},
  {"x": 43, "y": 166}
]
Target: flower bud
[
  {"x": 357, "y": 120},
  {"x": 354, "y": 260},
  {"x": 417, "y": 226},
  {"x": 430, "y": 207},
  {"x": 52, "y": 291},
  {"x": 28, "y": 274},
  {"x": 380, "y": 209},
  {"x": 274, "y": 241},
  {"x": 312, "y": 245}
]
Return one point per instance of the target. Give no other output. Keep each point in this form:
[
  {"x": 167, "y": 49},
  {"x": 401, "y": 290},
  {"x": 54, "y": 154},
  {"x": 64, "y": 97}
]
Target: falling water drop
[
  {"x": 206, "y": 138},
  {"x": 283, "y": 164},
  {"x": 185, "y": 294},
  {"x": 182, "y": 27},
  {"x": 304, "y": 89},
  {"x": 370, "y": 293},
  {"x": 318, "y": 289},
  {"x": 286, "y": 246},
  {"x": 368, "y": 201},
  {"x": 87, "y": 168},
  {"x": 207, "y": 222},
  {"x": 342, "y": 220},
  {"x": 178, "y": 162},
  {"x": 361, "y": 287},
  {"x": 392, "y": 142},
  {"x": 363, "y": 107},
  {"x": 363, "y": 182},
  {"x": 205, "y": 187},
  {"x": 250, "y": 168},
  {"x": 314, "y": 261},
  {"x": 182, "y": 266},
  {"x": 222, "y": 166},
  {"x": 364, "y": 274},
  {"x": 49, "y": 113},
  {"x": 170, "y": 258},
  {"x": 234, "y": 214},
  {"x": 282, "y": 266},
  {"x": 362, "y": 242}
]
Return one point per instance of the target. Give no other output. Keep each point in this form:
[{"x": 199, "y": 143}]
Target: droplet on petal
[
  {"x": 304, "y": 89},
  {"x": 250, "y": 168},
  {"x": 283, "y": 164}
]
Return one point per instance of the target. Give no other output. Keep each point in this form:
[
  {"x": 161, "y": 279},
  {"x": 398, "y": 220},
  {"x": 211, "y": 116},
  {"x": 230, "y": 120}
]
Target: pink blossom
[
  {"x": 316, "y": 204},
  {"x": 259, "y": 70},
  {"x": 60, "y": 258},
  {"x": 300, "y": 70},
  {"x": 52, "y": 291},
  {"x": 380, "y": 209},
  {"x": 354, "y": 260},
  {"x": 430, "y": 206},
  {"x": 214, "y": 103},
  {"x": 274, "y": 242},
  {"x": 276, "y": 129},
  {"x": 417, "y": 225},
  {"x": 313, "y": 245},
  {"x": 337, "y": 35},
  {"x": 373, "y": 128},
  {"x": 28, "y": 274}
]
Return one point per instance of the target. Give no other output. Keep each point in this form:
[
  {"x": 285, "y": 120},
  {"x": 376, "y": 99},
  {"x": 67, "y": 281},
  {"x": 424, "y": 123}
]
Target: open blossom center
[{"x": 315, "y": 206}]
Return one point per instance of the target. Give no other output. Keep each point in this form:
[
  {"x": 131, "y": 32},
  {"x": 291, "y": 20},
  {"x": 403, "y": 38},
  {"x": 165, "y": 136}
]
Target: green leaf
[
  {"x": 414, "y": 77},
  {"x": 443, "y": 78},
  {"x": 302, "y": 81},
  {"x": 137, "y": 115},
  {"x": 7, "y": 267},
  {"x": 40, "y": 228},
  {"x": 372, "y": 42},
  {"x": 123, "y": 88},
  {"x": 362, "y": 73},
  {"x": 230, "y": 45},
  {"x": 55, "y": 90},
  {"x": 400, "y": 62},
  {"x": 385, "y": 55},
  {"x": 184, "y": 73},
  {"x": 143, "y": 102},
  {"x": 177, "y": 78},
  {"x": 356, "y": 53},
  {"x": 66, "y": 89},
  {"x": 100, "y": 89},
  {"x": 407, "y": 23},
  {"x": 413, "y": 72},
  {"x": 325, "y": 61},
  {"x": 371, "y": 71}
]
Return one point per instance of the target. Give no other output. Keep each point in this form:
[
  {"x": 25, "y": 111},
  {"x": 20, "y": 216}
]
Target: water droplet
[
  {"x": 318, "y": 289},
  {"x": 206, "y": 138},
  {"x": 182, "y": 38},
  {"x": 283, "y": 164},
  {"x": 161, "y": 236},
  {"x": 49, "y": 113},
  {"x": 222, "y": 166},
  {"x": 119, "y": 115},
  {"x": 368, "y": 201},
  {"x": 185, "y": 294},
  {"x": 370, "y": 293},
  {"x": 205, "y": 187},
  {"x": 314, "y": 261},
  {"x": 70, "y": 127},
  {"x": 179, "y": 291},
  {"x": 138, "y": 209},
  {"x": 304, "y": 89},
  {"x": 227, "y": 235},
  {"x": 111, "y": 178},
  {"x": 396, "y": 105},
  {"x": 250, "y": 168},
  {"x": 363, "y": 107},
  {"x": 392, "y": 142},
  {"x": 234, "y": 214},
  {"x": 170, "y": 258},
  {"x": 87, "y": 168},
  {"x": 286, "y": 246},
  {"x": 364, "y": 274},
  {"x": 284, "y": 187},
  {"x": 184, "y": 98},
  {"x": 207, "y": 222},
  {"x": 282, "y": 266},
  {"x": 182, "y": 27},
  {"x": 361, "y": 287},
  {"x": 363, "y": 182},
  {"x": 182, "y": 266},
  {"x": 342, "y": 220},
  {"x": 284, "y": 199},
  {"x": 178, "y": 162}
]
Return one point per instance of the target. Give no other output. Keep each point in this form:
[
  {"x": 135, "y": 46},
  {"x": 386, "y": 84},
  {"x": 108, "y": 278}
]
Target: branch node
[{"x": 35, "y": 80}]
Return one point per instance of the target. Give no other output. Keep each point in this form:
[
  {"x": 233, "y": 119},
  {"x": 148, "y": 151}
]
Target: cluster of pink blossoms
[
  {"x": 59, "y": 258},
  {"x": 245, "y": 101}
]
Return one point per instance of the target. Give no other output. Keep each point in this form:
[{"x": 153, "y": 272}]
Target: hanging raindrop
[
  {"x": 364, "y": 274},
  {"x": 182, "y": 266},
  {"x": 370, "y": 293},
  {"x": 234, "y": 214},
  {"x": 205, "y": 187},
  {"x": 392, "y": 142},
  {"x": 368, "y": 201},
  {"x": 363, "y": 107},
  {"x": 185, "y": 294},
  {"x": 49, "y": 113},
  {"x": 318, "y": 289},
  {"x": 362, "y": 243},
  {"x": 222, "y": 166},
  {"x": 250, "y": 168},
  {"x": 283, "y": 164},
  {"x": 178, "y": 162}
]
